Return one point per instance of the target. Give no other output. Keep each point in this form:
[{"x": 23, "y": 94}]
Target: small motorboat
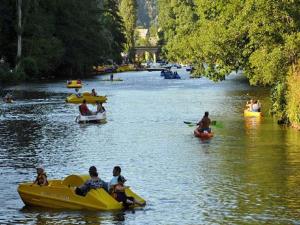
[
  {"x": 74, "y": 84},
  {"x": 168, "y": 74},
  {"x": 78, "y": 99},
  {"x": 248, "y": 113},
  {"x": 97, "y": 118},
  {"x": 60, "y": 194},
  {"x": 203, "y": 135}
]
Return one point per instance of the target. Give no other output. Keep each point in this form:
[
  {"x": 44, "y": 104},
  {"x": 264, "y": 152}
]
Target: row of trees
[
  {"x": 260, "y": 37},
  {"x": 63, "y": 37}
]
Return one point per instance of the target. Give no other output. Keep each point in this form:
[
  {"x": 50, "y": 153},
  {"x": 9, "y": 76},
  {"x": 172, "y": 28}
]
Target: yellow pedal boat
[
  {"x": 74, "y": 84},
  {"x": 87, "y": 96},
  {"x": 60, "y": 194},
  {"x": 248, "y": 113}
]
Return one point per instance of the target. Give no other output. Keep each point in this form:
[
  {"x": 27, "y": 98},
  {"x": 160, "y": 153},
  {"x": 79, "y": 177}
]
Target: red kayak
[{"x": 204, "y": 135}]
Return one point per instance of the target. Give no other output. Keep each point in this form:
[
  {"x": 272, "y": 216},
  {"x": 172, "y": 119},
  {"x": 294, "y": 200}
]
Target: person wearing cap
[
  {"x": 41, "y": 178},
  {"x": 93, "y": 183},
  {"x": 203, "y": 124},
  {"x": 117, "y": 189}
]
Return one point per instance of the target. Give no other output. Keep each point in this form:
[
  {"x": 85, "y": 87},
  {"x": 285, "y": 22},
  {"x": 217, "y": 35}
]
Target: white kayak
[{"x": 97, "y": 118}]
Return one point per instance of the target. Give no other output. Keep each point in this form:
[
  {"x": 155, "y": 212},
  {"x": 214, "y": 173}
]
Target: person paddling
[{"x": 203, "y": 124}]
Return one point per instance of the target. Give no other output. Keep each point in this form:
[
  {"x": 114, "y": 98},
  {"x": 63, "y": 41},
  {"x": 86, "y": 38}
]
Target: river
[{"x": 249, "y": 173}]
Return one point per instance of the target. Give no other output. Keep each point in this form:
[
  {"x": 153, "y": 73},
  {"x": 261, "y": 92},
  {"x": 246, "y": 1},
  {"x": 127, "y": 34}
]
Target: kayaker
[
  {"x": 203, "y": 124},
  {"x": 100, "y": 107},
  {"x": 41, "y": 178},
  {"x": 84, "y": 110},
  {"x": 117, "y": 189},
  {"x": 249, "y": 105},
  {"x": 255, "y": 106},
  {"x": 259, "y": 105},
  {"x": 94, "y": 183}
]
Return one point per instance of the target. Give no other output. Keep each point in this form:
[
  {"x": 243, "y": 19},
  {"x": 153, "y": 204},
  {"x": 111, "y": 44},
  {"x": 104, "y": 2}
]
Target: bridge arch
[{"x": 143, "y": 51}]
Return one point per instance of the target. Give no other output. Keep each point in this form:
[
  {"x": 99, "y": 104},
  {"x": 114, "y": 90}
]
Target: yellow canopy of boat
[
  {"x": 74, "y": 84},
  {"x": 87, "y": 96},
  {"x": 60, "y": 194}
]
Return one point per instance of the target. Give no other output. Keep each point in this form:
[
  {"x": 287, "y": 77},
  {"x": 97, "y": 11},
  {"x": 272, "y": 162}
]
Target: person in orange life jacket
[
  {"x": 203, "y": 124},
  {"x": 117, "y": 189},
  {"x": 41, "y": 178},
  {"x": 84, "y": 110}
]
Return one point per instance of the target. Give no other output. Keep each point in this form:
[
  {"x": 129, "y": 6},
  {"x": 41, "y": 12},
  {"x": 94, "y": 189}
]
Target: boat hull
[
  {"x": 60, "y": 194},
  {"x": 98, "y": 118},
  {"x": 155, "y": 69},
  {"x": 252, "y": 114},
  {"x": 87, "y": 96},
  {"x": 203, "y": 135}
]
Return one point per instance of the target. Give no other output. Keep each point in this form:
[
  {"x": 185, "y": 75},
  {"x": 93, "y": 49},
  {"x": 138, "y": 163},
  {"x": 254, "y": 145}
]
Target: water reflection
[{"x": 248, "y": 173}]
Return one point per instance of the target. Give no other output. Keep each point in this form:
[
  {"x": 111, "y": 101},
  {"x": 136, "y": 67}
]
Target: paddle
[{"x": 213, "y": 123}]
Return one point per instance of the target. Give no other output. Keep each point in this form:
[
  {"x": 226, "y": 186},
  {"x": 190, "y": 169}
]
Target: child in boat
[
  {"x": 93, "y": 183},
  {"x": 41, "y": 178},
  {"x": 117, "y": 189}
]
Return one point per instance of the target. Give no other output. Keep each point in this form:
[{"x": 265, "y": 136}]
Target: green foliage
[
  {"x": 63, "y": 37},
  {"x": 128, "y": 11},
  {"x": 11, "y": 76},
  {"x": 293, "y": 95},
  {"x": 260, "y": 37},
  {"x": 29, "y": 66}
]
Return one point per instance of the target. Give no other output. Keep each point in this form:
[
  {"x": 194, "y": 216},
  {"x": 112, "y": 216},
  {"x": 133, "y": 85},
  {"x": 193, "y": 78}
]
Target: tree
[
  {"x": 249, "y": 35},
  {"x": 128, "y": 11}
]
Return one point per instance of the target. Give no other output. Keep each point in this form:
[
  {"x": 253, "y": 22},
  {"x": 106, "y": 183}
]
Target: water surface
[{"x": 247, "y": 174}]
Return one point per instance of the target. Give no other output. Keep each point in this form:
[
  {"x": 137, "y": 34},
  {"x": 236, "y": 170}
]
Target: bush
[
  {"x": 11, "y": 76},
  {"x": 293, "y": 96},
  {"x": 29, "y": 66}
]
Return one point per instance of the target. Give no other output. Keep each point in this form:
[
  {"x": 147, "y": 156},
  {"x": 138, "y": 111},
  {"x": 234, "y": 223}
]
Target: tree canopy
[
  {"x": 63, "y": 37},
  {"x": 259, "y": 37}
]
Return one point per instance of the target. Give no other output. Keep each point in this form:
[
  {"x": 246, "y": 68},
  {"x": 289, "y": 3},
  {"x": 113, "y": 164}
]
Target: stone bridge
[{"x": 144, "y": 51}]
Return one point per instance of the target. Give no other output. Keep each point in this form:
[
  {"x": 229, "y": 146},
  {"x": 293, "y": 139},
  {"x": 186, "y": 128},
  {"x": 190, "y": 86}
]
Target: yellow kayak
[
  {"x": 248, "y": 113},
  {"x": 60, "y": 194},
  {"x": 87, "y": 96},
  {"x": 74, "y": 84}
]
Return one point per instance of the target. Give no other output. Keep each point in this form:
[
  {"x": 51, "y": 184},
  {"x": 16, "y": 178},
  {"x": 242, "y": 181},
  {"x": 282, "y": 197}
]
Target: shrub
[{"x": 29, "y": 66}]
